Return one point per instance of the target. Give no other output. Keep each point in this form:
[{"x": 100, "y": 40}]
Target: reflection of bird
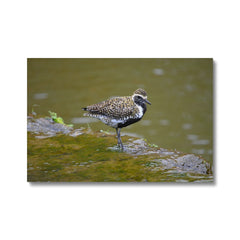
[{"x": 119, "y": 112}]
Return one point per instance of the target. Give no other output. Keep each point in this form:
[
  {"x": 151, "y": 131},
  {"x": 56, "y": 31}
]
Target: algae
[{"x": 82, "y": 155}]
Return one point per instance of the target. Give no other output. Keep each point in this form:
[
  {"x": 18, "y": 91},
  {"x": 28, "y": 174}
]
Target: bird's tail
[{"x": 85, "y": 109}]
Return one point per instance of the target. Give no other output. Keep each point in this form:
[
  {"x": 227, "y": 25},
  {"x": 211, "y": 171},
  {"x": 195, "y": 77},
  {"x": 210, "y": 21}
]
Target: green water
[{"x": 180, "y": 90}]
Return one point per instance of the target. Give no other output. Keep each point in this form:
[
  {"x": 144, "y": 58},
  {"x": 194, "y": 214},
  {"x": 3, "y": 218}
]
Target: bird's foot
[{"x": 120, "y": 146}]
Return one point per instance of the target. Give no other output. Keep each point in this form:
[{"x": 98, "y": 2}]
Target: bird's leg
[
  {"x": 117, "y": 136},
  {"x": 119, "y": 139}
]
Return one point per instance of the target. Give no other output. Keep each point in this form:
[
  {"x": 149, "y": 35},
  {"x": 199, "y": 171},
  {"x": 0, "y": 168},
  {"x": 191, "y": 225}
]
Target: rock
[
  {"x": 158, "y": 159},
  {"x": 46, "y": 127},
  {"x": 165, "y": 159}
]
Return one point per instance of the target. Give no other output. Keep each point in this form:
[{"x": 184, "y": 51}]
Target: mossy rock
[{"x": 59, "y": 153}]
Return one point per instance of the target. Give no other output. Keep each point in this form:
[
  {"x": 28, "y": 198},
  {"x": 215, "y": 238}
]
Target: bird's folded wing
[{"x": 118, "y": 108}]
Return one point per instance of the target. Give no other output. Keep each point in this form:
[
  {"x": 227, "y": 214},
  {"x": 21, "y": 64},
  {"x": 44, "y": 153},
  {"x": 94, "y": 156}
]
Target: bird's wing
[{"x": 118, "y": 108}]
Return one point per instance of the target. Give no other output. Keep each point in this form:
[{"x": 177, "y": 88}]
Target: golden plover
[{"x": 119, "y": 112}]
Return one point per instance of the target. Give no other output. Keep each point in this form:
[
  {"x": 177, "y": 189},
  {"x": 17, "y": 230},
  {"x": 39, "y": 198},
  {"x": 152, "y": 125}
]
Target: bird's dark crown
[{"x": 140, "y": 92}]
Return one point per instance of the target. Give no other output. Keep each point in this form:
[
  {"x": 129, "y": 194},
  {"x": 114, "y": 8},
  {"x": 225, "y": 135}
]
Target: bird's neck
[
  {"x": 141, "y": 105},
  {"x": 142, "y": 109}
]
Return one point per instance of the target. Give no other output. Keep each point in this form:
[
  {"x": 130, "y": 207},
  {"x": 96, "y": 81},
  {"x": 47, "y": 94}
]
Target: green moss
[{"x": 87, "y": 158}]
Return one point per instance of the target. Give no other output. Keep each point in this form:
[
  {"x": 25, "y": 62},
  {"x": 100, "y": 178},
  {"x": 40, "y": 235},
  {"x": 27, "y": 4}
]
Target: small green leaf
[
  {"x": 53, "y": 115},
  {"x": 59, "y": 120}
]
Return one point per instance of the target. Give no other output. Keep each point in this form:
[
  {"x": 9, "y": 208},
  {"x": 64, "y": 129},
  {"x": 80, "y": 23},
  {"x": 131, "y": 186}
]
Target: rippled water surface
[{"x": 180, "y": 90}]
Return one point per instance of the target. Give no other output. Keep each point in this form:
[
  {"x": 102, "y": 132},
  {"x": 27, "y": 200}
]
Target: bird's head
[{"x": 140, "y": 97}]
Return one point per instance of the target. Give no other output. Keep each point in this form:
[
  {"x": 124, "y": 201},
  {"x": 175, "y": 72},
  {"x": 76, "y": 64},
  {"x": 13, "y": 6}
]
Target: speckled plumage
[
  {"x": 120, "y": 112},
  {"x": 117, "y": 108}
]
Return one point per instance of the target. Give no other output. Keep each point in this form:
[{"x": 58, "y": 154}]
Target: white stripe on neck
[{"x": 140, "y": 108}]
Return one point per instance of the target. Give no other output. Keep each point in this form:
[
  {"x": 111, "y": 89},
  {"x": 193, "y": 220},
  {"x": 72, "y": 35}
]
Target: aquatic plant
[{"x": 57, "y": 119}]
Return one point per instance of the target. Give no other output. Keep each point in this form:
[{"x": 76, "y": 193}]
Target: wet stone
[
  {"x": 168, "y": 159},
  {"x": 193, "y": 163},
  {"x": 46, "y": 127}
]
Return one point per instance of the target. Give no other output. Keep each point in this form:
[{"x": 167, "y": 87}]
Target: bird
[{"x": 119, "y": 112}]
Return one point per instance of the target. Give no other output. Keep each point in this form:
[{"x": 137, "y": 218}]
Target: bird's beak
[{"x": 147, "y": 102}]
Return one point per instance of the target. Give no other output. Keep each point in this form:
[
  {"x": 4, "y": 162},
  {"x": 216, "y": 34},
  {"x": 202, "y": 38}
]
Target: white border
[{"x": 119, "y": 29}]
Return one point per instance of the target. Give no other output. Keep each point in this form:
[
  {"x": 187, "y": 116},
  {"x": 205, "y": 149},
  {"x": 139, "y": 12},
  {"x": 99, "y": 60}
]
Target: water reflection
[
  {"x": 164, "y": 122},
  {"x": 198, "y": 151},
  {"x": 81, "y": 120},
  {"x": 192, "y": 137},
  {"x": 200, "y": 142},
  {"x": 145, "y": 122},
  {"x": 187, "y": 126},
  {"x": 158, "y": 71},
  {"x": 39, "y": 96}
]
